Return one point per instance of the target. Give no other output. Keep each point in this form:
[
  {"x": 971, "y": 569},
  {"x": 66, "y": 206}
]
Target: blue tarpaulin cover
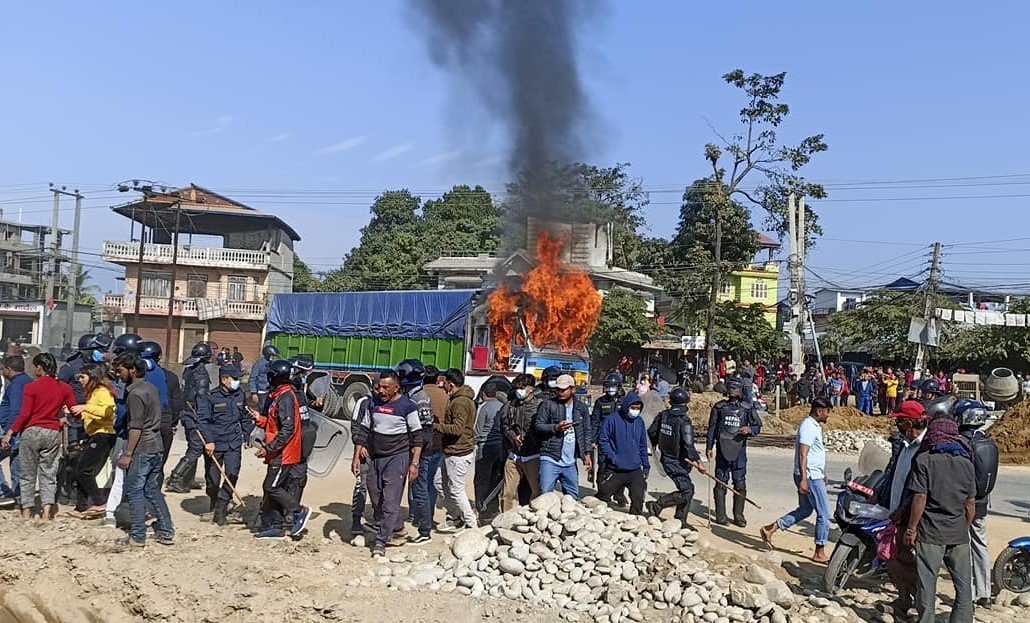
[{"x": 400, "y": 314}]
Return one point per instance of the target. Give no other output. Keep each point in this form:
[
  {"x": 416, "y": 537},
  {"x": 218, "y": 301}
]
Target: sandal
[
  {"x": 766, "y": 537},
  {"x": 94, "y": 513},
  {"x": 76, "y": 514}
]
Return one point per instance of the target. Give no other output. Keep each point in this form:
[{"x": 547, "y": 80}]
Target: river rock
[
  {"x": 470, "y": 545},
  {"x": 543, "y": 503},
  {"x": 747, "y": 595},
  {"x": 757, "y": 574},
  {"x": 778, "y": 592},
  {"x": 511, "y": 566},
  {"x": 508, "y": 520}
]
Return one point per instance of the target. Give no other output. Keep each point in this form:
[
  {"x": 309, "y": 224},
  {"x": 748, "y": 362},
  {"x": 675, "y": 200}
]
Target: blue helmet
[{"x": 970, "y": 413}]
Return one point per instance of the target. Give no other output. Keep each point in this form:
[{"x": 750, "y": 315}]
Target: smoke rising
[{"x": 520, "y": 58}]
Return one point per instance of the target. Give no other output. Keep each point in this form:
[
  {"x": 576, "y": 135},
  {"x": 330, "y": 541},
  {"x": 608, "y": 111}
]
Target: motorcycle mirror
[{"x": 848, "y": 473}]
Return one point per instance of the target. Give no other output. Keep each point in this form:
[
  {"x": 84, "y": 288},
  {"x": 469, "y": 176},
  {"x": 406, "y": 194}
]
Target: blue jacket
[
  {"x": 10, "y": 405},
  {"x": 258, "y": 380},
  {"x": 623, "y": 440},
  {"x": 223, "y": 419}
]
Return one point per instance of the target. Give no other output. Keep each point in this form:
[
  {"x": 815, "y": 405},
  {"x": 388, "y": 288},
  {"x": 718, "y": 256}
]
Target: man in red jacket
[{"x": 282, "y": 454}]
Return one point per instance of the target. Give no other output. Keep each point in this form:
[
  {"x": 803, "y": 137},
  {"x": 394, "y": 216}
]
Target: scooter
[
  {"x": 1012, "y": 567},
  {"x": 855, "y": 556}
]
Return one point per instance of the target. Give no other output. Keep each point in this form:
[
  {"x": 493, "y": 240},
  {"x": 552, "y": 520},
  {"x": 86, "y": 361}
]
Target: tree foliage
[
  {"x": 403, "y": 235},
  {"x": 303, "y": 279},
  {"x": 745, "y": 331},
  {"x": 85, "y": 291},
  {"x": 879, "y": 326},
  {"x": 622, "y": 325},
  {"x": 987, "y": 346}
]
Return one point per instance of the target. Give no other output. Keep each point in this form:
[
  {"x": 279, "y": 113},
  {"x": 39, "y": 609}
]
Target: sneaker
[
  {"x": 421, "y": 539},
  {"x": 8, "y": 502},
  {"x": 270, "y": 533},
  {"x": 164, "y": 539},
  {"x": 371, "y": 527},
  {"x": 449, "y": 527},
  {"x": 300, "y": 520},
  {"x": 378, "y": 551},
  {"x": 126, "y": 541},
  {"x": 397, "y": 541},
  {"x": 110, "y": 522}
]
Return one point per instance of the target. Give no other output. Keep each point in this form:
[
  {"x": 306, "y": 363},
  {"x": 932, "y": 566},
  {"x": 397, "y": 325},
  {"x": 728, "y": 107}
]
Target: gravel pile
[{"x": 852, "y": 442}]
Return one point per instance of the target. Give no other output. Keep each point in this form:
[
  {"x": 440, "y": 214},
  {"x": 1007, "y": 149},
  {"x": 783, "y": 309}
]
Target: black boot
[
  {"x": 683, "y": 509},
  {"x": 190, "y": 477},
  {"x": 738, "y": 508},
  {"x": 177, "y": 479},
  {"x": 720, "y": 506},
  {"x": 221, "y": 509},
  {"x": 655, "y": 507}
]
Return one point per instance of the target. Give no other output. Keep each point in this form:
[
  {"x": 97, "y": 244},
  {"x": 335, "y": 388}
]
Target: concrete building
[{"x": 218, "y": 287}]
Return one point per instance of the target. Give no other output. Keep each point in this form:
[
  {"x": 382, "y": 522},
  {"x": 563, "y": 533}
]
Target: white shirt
[
  {"x": 810, "y": 433},
  {"x": 902, "y": 469}
]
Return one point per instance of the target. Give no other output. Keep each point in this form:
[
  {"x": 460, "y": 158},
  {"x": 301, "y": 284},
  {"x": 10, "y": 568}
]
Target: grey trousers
[
  {"x": 958, "y": 561},
  {"x": 981, "y": 559},
  {"x": 451, "y": 486},
  {"x": 39, "y": 451}
]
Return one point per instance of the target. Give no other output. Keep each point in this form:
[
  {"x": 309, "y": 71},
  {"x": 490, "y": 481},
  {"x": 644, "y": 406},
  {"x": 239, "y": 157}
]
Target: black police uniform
[
  {"x": 224, "y": 421},
  {"x": 673, "y": 434},
  {"x": 196, "y": 385},
  {"x": 724, "y": 424},
  {"x": 603, "y": 407}
]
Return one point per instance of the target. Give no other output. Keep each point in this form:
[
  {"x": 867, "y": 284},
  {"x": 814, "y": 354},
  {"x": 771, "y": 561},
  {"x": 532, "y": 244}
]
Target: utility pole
[
  {"x": 46, "y": 330},
  {"x": 72, "y": 295},
  {"x": 928, "y": 307},
  {"x": 171, "y": 287},
  {"x": 796, "y": 264}
]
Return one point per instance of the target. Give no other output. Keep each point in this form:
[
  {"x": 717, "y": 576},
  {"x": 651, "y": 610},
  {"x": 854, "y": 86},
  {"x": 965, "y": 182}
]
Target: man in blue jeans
[
  {"x": 810, "y": 478},
  {"x": 13, "y": 370},
  {"x": 143, "y": 455},
  {"x": 563, "y": 426}
]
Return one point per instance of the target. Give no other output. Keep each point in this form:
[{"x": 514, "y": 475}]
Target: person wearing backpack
[{"x": 971, "y": 416}]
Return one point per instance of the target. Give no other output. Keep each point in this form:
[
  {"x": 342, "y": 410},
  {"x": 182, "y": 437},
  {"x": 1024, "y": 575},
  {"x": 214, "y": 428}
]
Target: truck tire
[{"x": 355, "y": 391}]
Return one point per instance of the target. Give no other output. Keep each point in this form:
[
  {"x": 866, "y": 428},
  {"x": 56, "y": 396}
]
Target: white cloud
[
  {"x": 221, "y": 124},
  {"x": 393, "y": 152},
  {"x": 282, "y": 136},
  {"x": 440, "y": 158},
  {"x": 347, "y": 145}
]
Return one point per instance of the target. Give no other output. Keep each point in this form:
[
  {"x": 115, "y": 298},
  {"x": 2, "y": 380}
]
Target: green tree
[
  {"x": 85, "y": 291},
  {"x": 755, "y": 151},
  {"x": 303, "y": 279},
  {"x": 984, "y": 346},
  {"x": 879, "y": 325},
  {"x": 744, "y": 330},
  {"x": 622, "y": 324}
]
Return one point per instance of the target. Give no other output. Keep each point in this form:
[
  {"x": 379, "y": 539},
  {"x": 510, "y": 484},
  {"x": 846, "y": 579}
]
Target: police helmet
[
  {"x": 734, "y": 387},
  {"x": 302, "y": 363},
  {"x": 549, "y": 377},
  {"x": 942, "y": 406},
  {"x": 970, "y": 413},
  {"x": 411, "y": 372},
  {"x": 930, "y": 386},
  {"x": 679, "y": 397},
  {"x": 269, "y": 351},
  {"x": 86, "y": 342},
  {"x": 126, "y": 343},
  {"x": 279, "y": 373},
  {"x": 612, "y": 379},
  {"x": 201, "y": 351},
  {"x": 149, "y": 350}
]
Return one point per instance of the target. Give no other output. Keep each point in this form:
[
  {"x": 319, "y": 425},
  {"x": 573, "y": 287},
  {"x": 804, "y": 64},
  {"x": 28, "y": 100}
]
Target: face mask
[
  {"x": 522, "y": 393},
  {"x": 611, "y": 391},
  {"x": 98, "y": 356},
  {"x": 234, "y": 384},
  {"x": 552, "y": 384},
  {"x": 634, "y": 413}
]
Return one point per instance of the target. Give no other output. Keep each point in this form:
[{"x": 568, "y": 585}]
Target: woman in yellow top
[
  {"x": 98, "y": 419},
  {"x": 891, "y": 383}
]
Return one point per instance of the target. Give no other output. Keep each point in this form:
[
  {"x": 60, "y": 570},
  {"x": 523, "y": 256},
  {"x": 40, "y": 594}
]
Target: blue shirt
[
  {"x": 568, "y": 444},
  {"x": 811, "y": 435},
  {"x": 10, "y": 405}
]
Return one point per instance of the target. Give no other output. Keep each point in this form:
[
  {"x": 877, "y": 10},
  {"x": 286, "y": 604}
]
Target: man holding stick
[{"x": 225, "y": 425}]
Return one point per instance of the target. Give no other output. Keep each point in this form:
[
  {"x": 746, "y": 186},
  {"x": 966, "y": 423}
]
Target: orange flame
[{"x": 560, "y": 306}]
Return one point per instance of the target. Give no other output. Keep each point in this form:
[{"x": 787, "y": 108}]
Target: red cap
[{"x": 912, "y": 410}]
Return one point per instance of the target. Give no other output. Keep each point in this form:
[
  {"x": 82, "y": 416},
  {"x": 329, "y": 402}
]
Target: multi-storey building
[
  {"x": 216, "y": 286},
  {"x": 24, "y": 261},
  {"x": 757, "y": 283}
]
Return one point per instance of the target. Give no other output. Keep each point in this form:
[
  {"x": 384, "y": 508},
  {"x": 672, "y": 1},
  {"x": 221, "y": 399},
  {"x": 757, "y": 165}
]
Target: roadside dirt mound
[
  {"x": 701, "y": 404},
  {"x": 841, "y": 418},
  {"x": 1012, "y": 434}
]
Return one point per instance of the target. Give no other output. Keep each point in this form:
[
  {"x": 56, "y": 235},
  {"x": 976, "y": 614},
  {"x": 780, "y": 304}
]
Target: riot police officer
[
  {"x": 549, "y": 380},
  {"x": 673, "y": 434},
  {"x": 168, "y": 388},
  {"x": 225, "y": 425},
  {"x": 730, "y": 425},
  {"x": 604, "y": 406},
  {"x": 259, "y": 386},
  {"x": 196, "y": 385},
  {"x": 92, "y": 348}
]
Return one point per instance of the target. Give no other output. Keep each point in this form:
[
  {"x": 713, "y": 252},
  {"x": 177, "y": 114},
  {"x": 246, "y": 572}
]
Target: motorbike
[
  {"x": 1012, "y": 567},
  {"x": 854, "y": 556}
]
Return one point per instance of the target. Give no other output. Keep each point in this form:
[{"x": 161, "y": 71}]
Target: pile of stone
[
  {"x": 852, "y": 441},
  {"x": 597, "y": 563}
]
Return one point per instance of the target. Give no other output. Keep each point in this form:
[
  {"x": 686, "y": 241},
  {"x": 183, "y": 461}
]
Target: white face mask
[
  {"x": 522, "y": 393},
  {"x": 611, "y": 391},
  {"x": 634, "y": 413},
  {"x": 553, "y": 383},
  {"x": 234, "y": 384}
]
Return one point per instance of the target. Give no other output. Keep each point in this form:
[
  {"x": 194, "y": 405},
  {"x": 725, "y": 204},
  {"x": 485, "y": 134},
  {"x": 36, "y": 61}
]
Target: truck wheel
[{"x": 353, "y": 393}]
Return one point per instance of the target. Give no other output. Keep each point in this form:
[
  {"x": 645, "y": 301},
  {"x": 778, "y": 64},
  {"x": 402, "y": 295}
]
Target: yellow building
[{"x": 759, "y": 283}]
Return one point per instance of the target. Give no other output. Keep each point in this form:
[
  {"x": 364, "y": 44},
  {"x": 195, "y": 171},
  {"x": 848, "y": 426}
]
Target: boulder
[
  {"x": 757, "y": 574},
  {"x": 544, "y": 502},
  {"x": 470, "y": 545}
]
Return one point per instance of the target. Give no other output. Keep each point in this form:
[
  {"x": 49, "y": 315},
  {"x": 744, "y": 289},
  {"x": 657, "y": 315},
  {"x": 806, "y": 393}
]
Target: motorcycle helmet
[
  {"x": 549, "y": 377},
  {"x": 126, "y": 342},
  {"x": 679, "y": 397},
  {"x": 943, "y": 406},
  {"x": 86, "y": 342},
  {"x": 410, "y": 372},
  {"x": 149, "y": 350},
  {"x": 279, "y": 373},
  {"x": 99, "y": 341},
  {"x": 269, "y": 351},
  {"x": 970, "y": 414}
]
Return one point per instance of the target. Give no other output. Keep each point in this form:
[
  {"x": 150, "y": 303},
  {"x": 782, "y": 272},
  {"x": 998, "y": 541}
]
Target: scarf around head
[{"x": 942, "y": 436}]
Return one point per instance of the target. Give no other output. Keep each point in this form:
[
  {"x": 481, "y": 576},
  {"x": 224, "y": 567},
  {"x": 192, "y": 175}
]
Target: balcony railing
[
  {"x": 215, "y": 257},
  {"x": 187, "y": 307}
]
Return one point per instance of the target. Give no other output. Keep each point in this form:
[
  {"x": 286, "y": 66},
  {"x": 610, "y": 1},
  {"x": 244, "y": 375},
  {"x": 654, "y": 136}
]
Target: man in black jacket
[
  {"x": 196, "y": 385},
  {"x": 730, "y": 425},
  {"x": 563, "y": 424},
  {"x": 521, "y": 440},
  {"x": 673, "y": 434},
  {"x": 604, "y": 406}
]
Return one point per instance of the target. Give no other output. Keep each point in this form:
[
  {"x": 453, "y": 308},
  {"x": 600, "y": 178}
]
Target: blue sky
[{"x": 247, "y": 98}]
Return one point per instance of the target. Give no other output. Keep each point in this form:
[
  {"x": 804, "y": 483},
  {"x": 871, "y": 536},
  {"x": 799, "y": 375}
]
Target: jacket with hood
[
  {"x": 549, "y": 414},
  {"x": 623, "y": 440},
  {"x": 457, "y": 430}
]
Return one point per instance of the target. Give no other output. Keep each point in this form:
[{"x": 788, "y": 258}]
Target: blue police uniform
[
  {"x": 196, "y": 385},
  {"x": 258, "y": 382},
  {"x": 224, "y": 422},
  {"x": 673, "y": 434},
  {"x": 724, "y": 424}
]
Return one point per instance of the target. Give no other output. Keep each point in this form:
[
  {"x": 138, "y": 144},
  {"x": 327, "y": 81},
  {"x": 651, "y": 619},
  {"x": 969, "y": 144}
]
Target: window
[
  {"x": 237, "y": 289},
  {"x": 759, "y": 290},
  {"x": 156, "y": 284},
  {"x": 725, "y": 289},
  {"x": 196, "y": 286}
]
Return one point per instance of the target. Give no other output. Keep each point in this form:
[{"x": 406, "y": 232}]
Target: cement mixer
[{"x": 1001, "y": 386}]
